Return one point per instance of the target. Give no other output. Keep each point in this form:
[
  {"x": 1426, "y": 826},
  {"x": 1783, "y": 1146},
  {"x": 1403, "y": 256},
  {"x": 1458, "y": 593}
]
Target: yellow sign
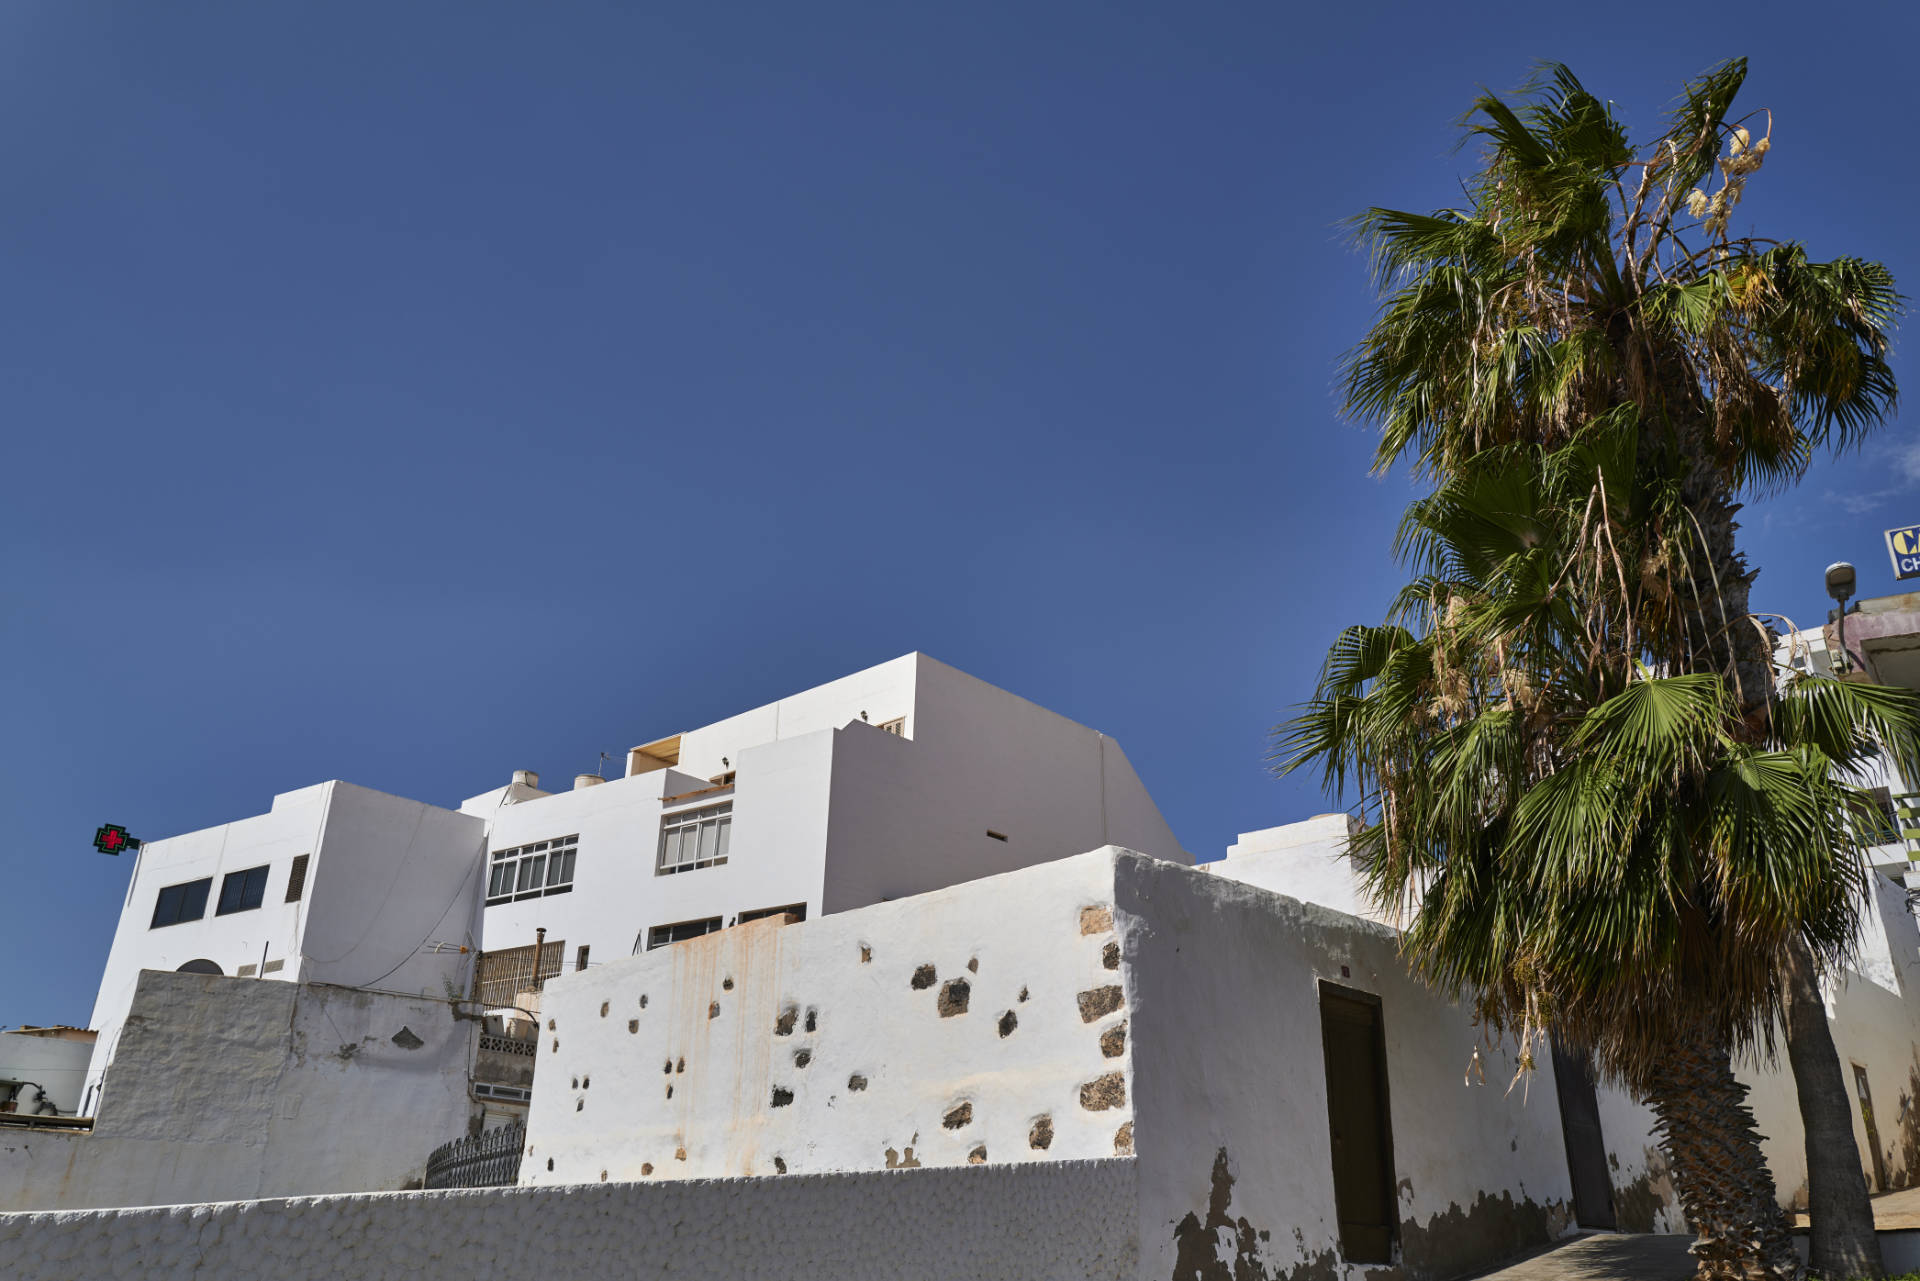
[{"x": 1904, "y": 546}]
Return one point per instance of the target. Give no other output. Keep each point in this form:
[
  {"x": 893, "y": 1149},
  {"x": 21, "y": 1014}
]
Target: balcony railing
[{"x": 487, "y": 1160}]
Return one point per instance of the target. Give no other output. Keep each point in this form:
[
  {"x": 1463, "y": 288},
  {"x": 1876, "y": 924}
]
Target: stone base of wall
[{"x": 1070, "y": 1220}]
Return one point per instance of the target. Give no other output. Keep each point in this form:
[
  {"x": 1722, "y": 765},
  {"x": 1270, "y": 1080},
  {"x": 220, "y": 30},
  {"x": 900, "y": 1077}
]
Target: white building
[
  {"x": 907, "y": 777},
  {"x": 335, "y": 884}
]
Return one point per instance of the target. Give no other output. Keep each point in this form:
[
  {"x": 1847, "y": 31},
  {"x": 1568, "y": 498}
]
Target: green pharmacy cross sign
[
  {"x": 1904, "y": 546},
  {"x": 113, "y": 838}
]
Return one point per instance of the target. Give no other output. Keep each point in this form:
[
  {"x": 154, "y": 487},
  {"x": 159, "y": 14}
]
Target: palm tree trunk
[
  {"x": 1843, "y": 1241},
  {"x": 1707, "y": 1133}
]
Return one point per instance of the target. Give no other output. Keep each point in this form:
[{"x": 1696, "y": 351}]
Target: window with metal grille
[
  {"x": 661, "y": 935},
  {"x": 184, "y": 902},
  {"x": 297, "y": 879},
  {"x": 898, "y": 725},
  {"x": 242, "y": 891},
  {"x": 528, "y": 871},
  {"x": 691, "y": 839}
]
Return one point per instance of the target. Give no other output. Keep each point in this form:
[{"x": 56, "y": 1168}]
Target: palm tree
[
  {"x": 1582, "y": 834},
  {"x": 1589, "y": 287}
]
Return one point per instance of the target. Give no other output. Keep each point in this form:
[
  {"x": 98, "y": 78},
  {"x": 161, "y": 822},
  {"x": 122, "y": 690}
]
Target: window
[
  {"x": 242, "y": 891},
  {"x": 761, "y": 913},
  {"x": 184, "y": 902},
  {"x": 661, "y": 935},
  {"x": 528, "y": 871},
  {"x": 897, "y": 726},
  {"x": 724, "y": 779},
  {"x": 580, "y": 961},
  {"x": 297, "y": 879},
  {"x": 695, "y": 838}
]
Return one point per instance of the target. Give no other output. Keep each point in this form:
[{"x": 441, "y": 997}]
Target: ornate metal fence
[{"x": 487, "y": 1160}]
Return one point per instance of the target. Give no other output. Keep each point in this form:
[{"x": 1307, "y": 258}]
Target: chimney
[
  {"x": 526, "y": 778},
  {"x": 581, "y": 782}
]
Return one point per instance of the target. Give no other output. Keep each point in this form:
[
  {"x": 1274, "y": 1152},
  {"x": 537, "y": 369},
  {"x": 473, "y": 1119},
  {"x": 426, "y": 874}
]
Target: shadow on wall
[{"x": 1221, "y": 1247}]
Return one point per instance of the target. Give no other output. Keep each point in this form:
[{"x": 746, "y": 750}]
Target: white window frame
[
  {"x": 533, "y": 870},
  {"x": 691, "y": 839}
]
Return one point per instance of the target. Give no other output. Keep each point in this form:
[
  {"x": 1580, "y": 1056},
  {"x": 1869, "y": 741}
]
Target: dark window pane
[
  {"x": 242, "y": 891},
  {"x": 184, "y": 902}
]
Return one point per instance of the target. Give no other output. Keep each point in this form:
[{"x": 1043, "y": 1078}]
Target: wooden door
[
  {"x": 1354, "y": 1039},
  {"x": 1586, "y": 1145}
]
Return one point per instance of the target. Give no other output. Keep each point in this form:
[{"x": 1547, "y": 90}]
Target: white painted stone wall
[
  {"x": 228, "y": 1088},
  {"x": 1059, "y": 1222},
  {"x": 822, "y": 1046},
  {"x": 1229, "y": 1080}
]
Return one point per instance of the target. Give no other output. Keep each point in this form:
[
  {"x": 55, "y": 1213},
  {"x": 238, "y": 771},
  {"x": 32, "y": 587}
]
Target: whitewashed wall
[
  {"x": 1230, "y": 1091},
  {"x": 1063, "y": 1222},
  {"x": 815, "y": 1047},
  {"x": 229, "y": 1088}
]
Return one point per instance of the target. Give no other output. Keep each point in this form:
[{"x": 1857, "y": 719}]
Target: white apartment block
[{"x": 907, "y": 777}]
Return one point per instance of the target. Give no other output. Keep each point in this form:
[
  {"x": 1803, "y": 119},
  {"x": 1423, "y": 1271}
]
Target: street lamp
[{"x": 1840, "y": 584}]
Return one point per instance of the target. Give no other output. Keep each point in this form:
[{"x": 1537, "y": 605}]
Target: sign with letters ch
[{"x": 1904, "y": 546}]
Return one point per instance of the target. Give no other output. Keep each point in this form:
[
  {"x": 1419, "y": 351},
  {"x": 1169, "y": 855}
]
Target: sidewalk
[{"x": 1605, "y": 1257}]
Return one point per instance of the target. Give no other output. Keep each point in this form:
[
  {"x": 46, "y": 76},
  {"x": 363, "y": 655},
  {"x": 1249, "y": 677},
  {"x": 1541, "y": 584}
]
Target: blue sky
[{"x": 412, "y": 393}]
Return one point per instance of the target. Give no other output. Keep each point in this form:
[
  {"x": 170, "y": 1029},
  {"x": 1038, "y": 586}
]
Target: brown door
[
  {"x": 1356, "y": 1053},
  {"x": 1586, "y": 1146},
  {"x": 1873, "y": 1133}
]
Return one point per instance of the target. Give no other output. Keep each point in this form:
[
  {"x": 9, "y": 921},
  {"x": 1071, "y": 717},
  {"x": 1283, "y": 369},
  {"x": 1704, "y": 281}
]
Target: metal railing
[{"x": 487, "y": 1160}]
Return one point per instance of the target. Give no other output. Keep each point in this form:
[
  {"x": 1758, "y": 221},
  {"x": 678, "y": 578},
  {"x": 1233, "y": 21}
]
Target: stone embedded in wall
[
  {"x": 978, "y": 1156},
  {"x": 604, "y": 1007},
  {"x": 802, "y": 1057},
  {"x": 866, "y": 953},
  {"x": 779, "y": 1165},
  {"x": 1123, "y": 1140},
  {"x": 923, "y": 978},
  {"x": 1096, "y": 920},
  {"x": 1103, "y": 1092},
  {"x": 1099, "y": 1002},
  {"x": 898, "y": 1161},
  {"x": 958, "y": 1117},
  {"x": 726, "y": 984},
  {"x": 1110, "y": 956},
  {"x": 813, "y": 1019},
  {"x": 782, "y": 1096},
  {"x": 646, "y": 1168},
  {"x": 713, "y": 1009},
  {"x": 856, "y": 1082},
  {"x": 406, "y": 1040},
  {"x": 1008, "y": 1022},
  {"x": 783, "y": 1026},
  {"x": 1113, "y": 1041},
  {"x": 1023, "y": 995},
  {"x": 973, "y": 965},
  {"x": 679, "y": 1065},
  {"x": 643, "y": 1000},
  {"x": 954, "y": 995},
  {"x": 633, "y": 1025},
  {"x": 1040, "y": 1137}
]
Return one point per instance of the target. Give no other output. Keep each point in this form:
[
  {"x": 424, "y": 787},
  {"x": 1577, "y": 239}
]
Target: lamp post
[{"x": 1840, "y": 585}]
